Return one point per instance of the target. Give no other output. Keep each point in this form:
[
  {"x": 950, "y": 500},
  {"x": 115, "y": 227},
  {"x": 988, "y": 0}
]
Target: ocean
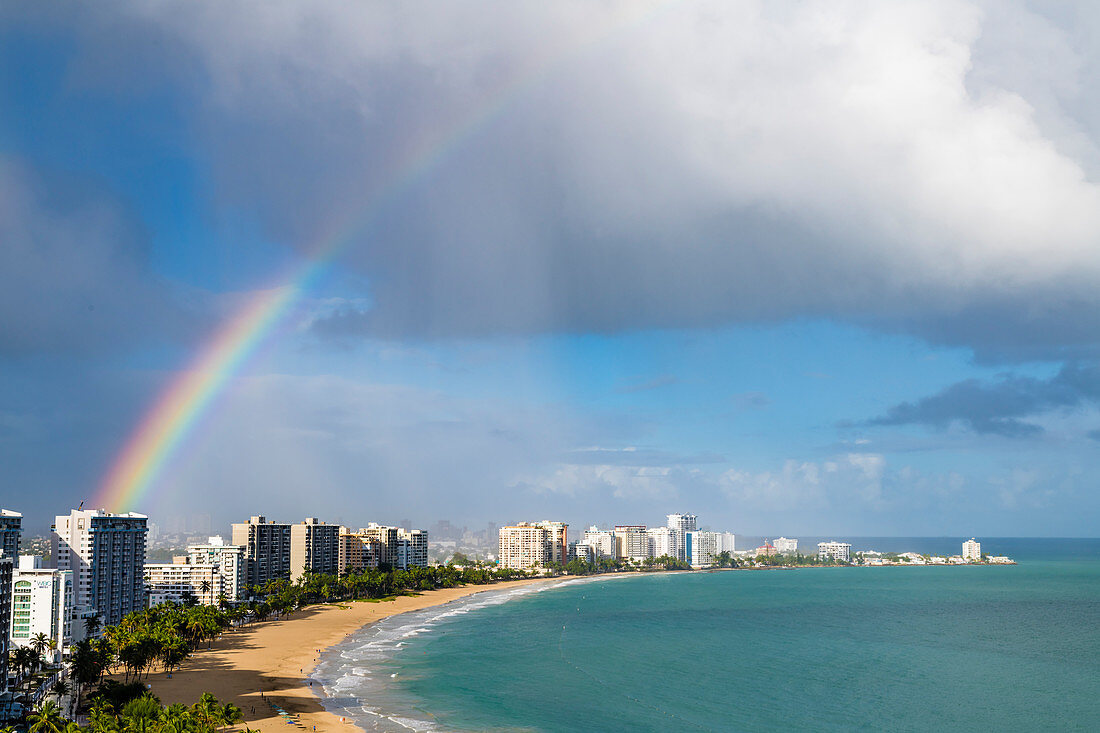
[{"x": 1007, "y": 648}]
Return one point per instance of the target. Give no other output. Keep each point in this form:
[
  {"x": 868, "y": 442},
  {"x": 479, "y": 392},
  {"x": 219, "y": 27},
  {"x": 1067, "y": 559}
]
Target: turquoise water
[{"x": 923, "y": 648}]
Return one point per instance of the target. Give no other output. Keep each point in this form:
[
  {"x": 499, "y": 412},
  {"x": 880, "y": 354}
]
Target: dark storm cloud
[
  {"x": 572, "y": 167},
  {"x": 1000, "y": 408},
  {"x": 73, "y": 269}
]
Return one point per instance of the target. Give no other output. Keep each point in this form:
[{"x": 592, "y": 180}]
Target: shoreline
[{"x": 266, "y": 667}]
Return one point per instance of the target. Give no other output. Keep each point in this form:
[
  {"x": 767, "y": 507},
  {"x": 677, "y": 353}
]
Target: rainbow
[{"x": 173, "y": 415}]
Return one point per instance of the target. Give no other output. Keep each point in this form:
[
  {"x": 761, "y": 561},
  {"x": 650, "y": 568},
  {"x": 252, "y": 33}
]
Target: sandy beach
[{"x": 274, "y": 657}]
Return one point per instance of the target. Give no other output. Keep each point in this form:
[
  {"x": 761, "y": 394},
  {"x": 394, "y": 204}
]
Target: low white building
[
  {"x": 972, "y": 550},
  {"x": 839, "y": 551},
  {"x": 42, "y": 603},
  {"x": 229, "y": 561},
  {"x": 175, "y": 582}
]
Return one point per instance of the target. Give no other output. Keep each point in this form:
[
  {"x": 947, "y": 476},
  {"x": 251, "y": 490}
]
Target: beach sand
[{"x": 274, "y": 657}]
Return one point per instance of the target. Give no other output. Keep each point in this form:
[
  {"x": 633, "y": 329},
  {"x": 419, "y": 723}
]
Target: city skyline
[{"x": 802, "y": 268}]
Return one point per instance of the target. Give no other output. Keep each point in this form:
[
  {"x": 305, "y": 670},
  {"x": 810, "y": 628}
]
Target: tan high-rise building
[
  {"x": 632, "y": 541},
  {"x": 557, "y": 534},
  {"x": 523, "y": 546},
  {"x": 358, "y": 550},
  {"x": 387, "y": 539},
  {"x": 266, "y": 549},
  {"x": 314, "y": 548}
]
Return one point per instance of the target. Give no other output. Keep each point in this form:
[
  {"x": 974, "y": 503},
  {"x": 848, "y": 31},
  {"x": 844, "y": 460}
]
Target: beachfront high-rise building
[
  {"x": 839, "y": 551},
  {"x": 314, "y": 548},
  {"x": 387, "y": 540},
  {"x": 179, "y": 580},
  {"x": 664, "y": 541},
  {"x": 106, "y": 554},
  {"x": 724, "y": 542},
  {"x": 683, "y": 522},
  {"x": 784, "y": 545},
  {"x": 358, "y": 550},
  {"x": 700, "y": 547},
  {"x": 11, "y": 526},
  {"x": 557, "y": 534},
  {"x": 633, "y": 541},
  {"x": 266, "y": 549},
  {"x": 42, "y": 603},
  {"x": 523, "y": 546},
  {"x": 972, "y": 550},
  {"x": 602, "y": 542},
  {"x": 5, "y": 616},
  {"x": 228, "y": 559},
  {"x": 412, "y": 548}
]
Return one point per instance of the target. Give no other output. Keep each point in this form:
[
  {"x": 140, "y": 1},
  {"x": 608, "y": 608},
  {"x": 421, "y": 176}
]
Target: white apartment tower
[
  {"x": 42, "y": 603},
  {"x": 601, "y": 541},
  {"x": 972, "y": 550},
  {"x": 267, "y": 549},
  {"x": 229, "y": 561},
  {"x": 412, "y": 548},
  {"x": 664, "y": 541},
  {"x": 106, "y": 554}
]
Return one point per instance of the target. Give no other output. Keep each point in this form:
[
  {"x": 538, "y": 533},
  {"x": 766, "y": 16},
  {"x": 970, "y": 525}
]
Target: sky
[{"x": 813, "y": 267}]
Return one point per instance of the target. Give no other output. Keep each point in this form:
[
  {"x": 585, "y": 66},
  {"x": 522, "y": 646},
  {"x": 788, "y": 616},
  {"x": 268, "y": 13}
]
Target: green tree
[{"x": 47, "y": 719}]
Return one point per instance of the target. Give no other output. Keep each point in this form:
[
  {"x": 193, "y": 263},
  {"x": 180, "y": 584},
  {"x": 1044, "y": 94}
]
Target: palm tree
[
  {"x": 229, "y": 714},
  {"x": 141, "y": 715},
  {"x": 60, "y": 689},
  {"x": 40, "y": 643},
  {"x": 47, "y": 720},
  {"x": 207, "y": 710},
  {"x": 92, "y": 625}
]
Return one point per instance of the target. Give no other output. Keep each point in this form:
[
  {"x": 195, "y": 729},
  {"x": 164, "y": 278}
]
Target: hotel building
[
  {"x": 839, "y": 551},
  {"x": 314, "y": 548},
  {"x": 557, "y": 534},
  {"x": 230, "y": 562},
  {"x": 42, "y": 603},
  {"x": 106, "y": 554},
  {"x": 267, "y": 549},
  {"x": 972, "y": 550}
]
